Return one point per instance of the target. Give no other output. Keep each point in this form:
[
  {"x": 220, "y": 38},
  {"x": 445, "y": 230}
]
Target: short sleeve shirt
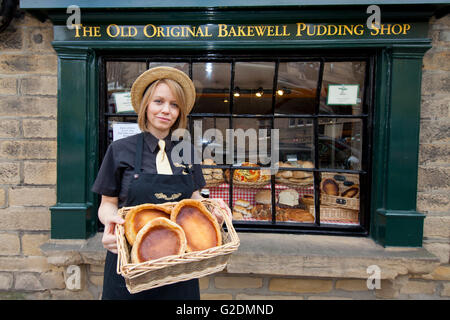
[{"x": 117, "y": 169}]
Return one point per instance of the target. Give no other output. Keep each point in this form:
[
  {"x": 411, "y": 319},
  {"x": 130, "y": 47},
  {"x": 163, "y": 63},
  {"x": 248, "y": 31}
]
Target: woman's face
[{"x": 162, "y": 111}]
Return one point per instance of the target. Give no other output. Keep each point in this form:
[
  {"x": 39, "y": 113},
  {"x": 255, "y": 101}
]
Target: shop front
[{"x": 306, "y": 118}]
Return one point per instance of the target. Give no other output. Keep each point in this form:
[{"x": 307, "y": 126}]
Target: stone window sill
[{"x": 283, "y": 255}]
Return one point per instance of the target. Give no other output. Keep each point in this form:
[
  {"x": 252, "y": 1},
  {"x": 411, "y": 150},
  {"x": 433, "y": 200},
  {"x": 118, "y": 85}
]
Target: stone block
[
  {"x": 28, "y": 282},
  {"x": 434, "y": 154},
  {"x": 432, "y": 178},
  {"x": 216, "y": 296},
  {"x": 6, "y": 281},
  {"x": 434, "y": 82},
  {"x": 418, "y": 287},
  {"x": 39, "y": 172},
  {"x": 28, "y": 64},
  {"x": 243, "y": 296},
  {"x": 39, "y": 128},
  {"x": 352, "y": 285},
  {"x": 8, "y": 85},
  {"x": 9, "y": 244},
  {"x": 9, "y": 128},
  {"x": 436, "y": 226},
  {"x": 32, "y": 196},
  {"x": 28, "y": 149},
  {"x": 45, "y": 85},
  {"x": 11, "y": 106},
  {"x": 31, "y": 243},
  {"x": 25, "y": 218},
  {"x": 435, "y": 201},
  {"x": 445, "y": 292},
  {"x": 300, "y": 285},
  {"x": 9, "y": 173},
  {"x": 237, "y": 282}
]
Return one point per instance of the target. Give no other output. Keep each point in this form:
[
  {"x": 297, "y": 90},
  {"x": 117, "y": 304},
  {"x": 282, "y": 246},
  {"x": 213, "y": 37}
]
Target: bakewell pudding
[
  {"x": 138, "y": 216},
  {"x": 200, "y": 226},
  {"x": 158, "y": 238}
]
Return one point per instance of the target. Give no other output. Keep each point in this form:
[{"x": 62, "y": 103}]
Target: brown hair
[{"x": 177, "y": 91}]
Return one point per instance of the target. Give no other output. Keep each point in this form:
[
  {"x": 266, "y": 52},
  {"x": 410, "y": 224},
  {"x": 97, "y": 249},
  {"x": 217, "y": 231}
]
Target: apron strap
[{"x": 138, "y": 159}]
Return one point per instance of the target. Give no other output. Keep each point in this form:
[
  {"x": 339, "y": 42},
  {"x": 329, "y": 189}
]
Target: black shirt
[{"x": 117, "y": 169}]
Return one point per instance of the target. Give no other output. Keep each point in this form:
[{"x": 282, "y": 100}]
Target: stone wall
[{"x": 28, "y": 87}]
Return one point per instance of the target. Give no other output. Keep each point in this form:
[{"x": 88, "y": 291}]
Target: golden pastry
[
  {"x": 200, "y": 227},
  {"x": 138, "y": 216},
  {"x": 158, "y": 238}
]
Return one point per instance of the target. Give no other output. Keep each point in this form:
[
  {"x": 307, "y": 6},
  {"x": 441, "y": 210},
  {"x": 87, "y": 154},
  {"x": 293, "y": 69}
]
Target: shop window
[{"x": 310, "y": 115}]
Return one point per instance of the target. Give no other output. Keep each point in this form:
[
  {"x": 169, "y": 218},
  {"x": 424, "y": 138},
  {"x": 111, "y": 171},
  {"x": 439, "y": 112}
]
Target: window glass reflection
[
  {"x": 253, "y": 87},
  {"x": 348, "y": 73},
  {"x": 340, "y": 143},
  {"x": 212, "y": 84},
  {"x": 296, "y": 87}
]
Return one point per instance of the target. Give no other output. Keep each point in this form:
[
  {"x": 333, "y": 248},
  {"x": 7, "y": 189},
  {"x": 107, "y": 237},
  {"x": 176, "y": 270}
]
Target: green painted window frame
[{"x": 395, "y": 220}]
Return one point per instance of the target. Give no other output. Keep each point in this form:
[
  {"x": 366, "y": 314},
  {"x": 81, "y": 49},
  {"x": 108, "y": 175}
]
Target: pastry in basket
[
  {"x": 330, "y": 187},
  {"x": 158, "y": 238},
  {"x": 138, "y": 216},
  {"x": 352, "y": 192},
  {"x": 201, "y": 228}
]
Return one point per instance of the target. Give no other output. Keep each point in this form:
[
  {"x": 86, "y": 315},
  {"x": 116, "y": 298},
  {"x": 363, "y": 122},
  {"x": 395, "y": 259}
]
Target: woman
[{"x": 138, "y": 169}]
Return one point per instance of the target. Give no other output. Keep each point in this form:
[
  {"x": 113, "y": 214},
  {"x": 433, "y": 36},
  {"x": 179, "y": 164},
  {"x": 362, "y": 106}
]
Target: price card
[
  {"x": 124, "y": 129},
  {"x": 343, "y": 94},
  {"x": 122, "y": 101}
]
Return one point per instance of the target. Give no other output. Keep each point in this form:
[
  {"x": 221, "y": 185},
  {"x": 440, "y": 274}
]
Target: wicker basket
[
  {"x": 340, "y": 201},
  {"x": 175, "y": 268},
  {"x": 336, "y": 214}
]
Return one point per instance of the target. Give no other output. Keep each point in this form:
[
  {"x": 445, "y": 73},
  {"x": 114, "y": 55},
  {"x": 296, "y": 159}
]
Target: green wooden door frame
[{"x": 394, "y": 217}]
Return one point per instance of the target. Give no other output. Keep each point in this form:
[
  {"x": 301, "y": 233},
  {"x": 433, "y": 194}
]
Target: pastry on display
[
  {"x": 263, "y": 205},
  {"x": 213, "y": 176},
  {"x": 308, "y": 199},
  {"x": 158, "y": 238},
  {"x": 200, "y": 226},
  {"x": 295, "y": 177},
  {"x": 138, "y": 216},
  {"x": 242, "y": 209},
  {"x": 249, "y": 177},
  {"x": 330, "y": 187},
  {"x": 352, "y": 192},
  {"x": 289, "y": 207},
  {"x": 289, "y": 198}
]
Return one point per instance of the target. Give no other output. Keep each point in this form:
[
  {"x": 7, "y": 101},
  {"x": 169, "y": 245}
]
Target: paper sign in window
[{"x": 343, "y": 94}]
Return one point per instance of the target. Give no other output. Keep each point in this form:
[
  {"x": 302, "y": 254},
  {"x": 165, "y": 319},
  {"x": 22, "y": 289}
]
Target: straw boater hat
[{"x": 157, "y": 73}]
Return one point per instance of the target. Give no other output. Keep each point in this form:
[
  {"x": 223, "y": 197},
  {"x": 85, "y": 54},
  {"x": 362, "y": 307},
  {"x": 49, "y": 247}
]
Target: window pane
[
  {"x": 296, "y": 139},
  {"x": 183, "y": 66},
  {"x": 254, "y": 203},
  {"x": 252, "y": 142},
  {"x": 120, "y": 76},
  {"x": 296, "y": 87},
  {"x": 348, "y": 73},
  {"x": 253, "y": 87},
  {"x": 339, "y": 198},
  {"x": 212, "y": 84},
  {"x": 213, "y": 137},
  {"x": 340, "y": 143},
  {"x": 294, "y": 204}
]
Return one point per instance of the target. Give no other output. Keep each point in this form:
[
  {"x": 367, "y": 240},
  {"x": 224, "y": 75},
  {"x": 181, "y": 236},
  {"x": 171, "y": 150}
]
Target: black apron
[{"x": 151, "y": 188}]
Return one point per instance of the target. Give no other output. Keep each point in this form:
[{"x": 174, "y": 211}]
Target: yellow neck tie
[{"x": 162, "y": 161}]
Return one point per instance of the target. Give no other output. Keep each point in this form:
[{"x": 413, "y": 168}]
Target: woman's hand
[{"x": 107, "y": 214}]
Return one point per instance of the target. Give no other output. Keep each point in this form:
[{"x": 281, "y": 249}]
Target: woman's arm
[{"x": 107, "y": 214}]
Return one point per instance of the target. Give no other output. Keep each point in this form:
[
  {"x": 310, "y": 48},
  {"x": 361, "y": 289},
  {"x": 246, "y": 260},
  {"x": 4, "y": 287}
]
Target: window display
[{"x": 313, "y": 173}]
